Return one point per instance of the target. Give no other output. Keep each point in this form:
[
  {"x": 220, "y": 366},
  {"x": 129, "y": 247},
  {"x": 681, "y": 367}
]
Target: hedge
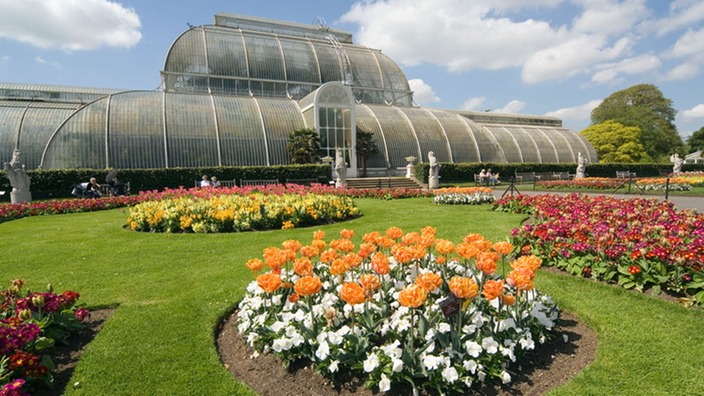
[
  {"x": 55, "y": 183},
  {"x": 464, "y": 172}
]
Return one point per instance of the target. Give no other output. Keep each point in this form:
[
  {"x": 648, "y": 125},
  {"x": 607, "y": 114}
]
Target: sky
[{"x": 546, "y": 57}]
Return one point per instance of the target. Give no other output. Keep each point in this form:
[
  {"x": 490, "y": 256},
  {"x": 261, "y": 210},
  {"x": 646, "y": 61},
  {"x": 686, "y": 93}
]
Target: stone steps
[{"x": 383, "y": 183}]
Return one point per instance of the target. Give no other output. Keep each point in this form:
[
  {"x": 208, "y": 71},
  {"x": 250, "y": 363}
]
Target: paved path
[{"x": 681, "y": 201}]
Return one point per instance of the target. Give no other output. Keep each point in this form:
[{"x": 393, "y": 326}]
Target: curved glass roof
[
  {"x": 234, "y": 61},
  {"x": 52, "y": 93},
  {"x": 156, "y": 130}
]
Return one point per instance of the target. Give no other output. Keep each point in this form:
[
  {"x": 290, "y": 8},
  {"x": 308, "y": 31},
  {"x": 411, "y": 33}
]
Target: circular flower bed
[
  {"x": 399, "y": 309},
  {"x": 227, "y": 213},
  {"x": 463, "y": 196}
]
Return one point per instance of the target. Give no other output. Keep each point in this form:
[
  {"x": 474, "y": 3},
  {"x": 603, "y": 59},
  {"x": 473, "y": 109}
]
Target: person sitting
[
  {"x": 493, "y": 179},
  {"x": 482, "y": 176},
  {"x": 205, "y": 182},
  {"x": 214, "y": 182},
  {"x": 92, "y": 189}
]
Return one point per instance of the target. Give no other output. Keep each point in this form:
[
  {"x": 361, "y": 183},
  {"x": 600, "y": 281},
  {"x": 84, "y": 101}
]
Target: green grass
[{"x": 171, "y": 290}]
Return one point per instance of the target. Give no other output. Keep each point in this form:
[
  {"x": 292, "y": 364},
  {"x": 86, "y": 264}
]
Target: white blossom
[
  {"x": 396, "y": 365},
  {"x": 323, "y": 351},
  {"x": 333, "y": 366},
  {"x": 490, "y": 345},
  {"x": 450, "y": 374},
  {"x": 470, "y": 365},
  {"x": 444, "y": 327},
  {"x": 431, "y": 362},
  {"x": 371, "y": 363},
  {"x": 505, "y": 377},
  {"x": 384, "y": 384},
  {"x": 473, "y": 349}
]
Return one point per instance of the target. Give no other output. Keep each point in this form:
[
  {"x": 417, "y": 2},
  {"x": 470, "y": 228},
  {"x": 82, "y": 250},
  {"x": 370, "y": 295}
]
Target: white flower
[
  {"x": 469, "y": 329},
  {"x": 490, "y": 345},
  {"x": 527, "y": 343},
  {"x": 344, "y": 330},
  {"x": 481, "y": 376},
  {"x": 468, "y": 382},
  {"x": 507, "y": 324},
  {"x": 450, "y": 374},
  {"x": 431, "y": 348},
  {"x": 430, "y": 334},
  {"x": 384, "y": 384},
  {"x": 392, "y": 350},
  {"x": 333, "y": 366},
  {"x": 335, "y": 338},
  {"x": 431, "y": 362},
  {"x": 565, "y": 338},
  {"x": 299, "y": 316},
  {"x": 444, "y": 327},
  {"x": 297, "y": 339},
  {"x": 291, "y": 331},
  {"x": 470, "y": 365},
  {"x": 242, "y": 327},
  {"x": 371, "y": 363},
  {"x": 473, "y": 349},
  {"x": 541, "y": 340},
  {"x": 278, "y": 345},
  {"x": 505, "y": 377},
  {"x": 403, "y": 325},
  {"x": 397, "y": 365},
  {"x": 276, "y": 299},
  {"x": 286, "y": 343},
  {"x": 322, "y": 337},
  {"x": 323, "y": 351}
]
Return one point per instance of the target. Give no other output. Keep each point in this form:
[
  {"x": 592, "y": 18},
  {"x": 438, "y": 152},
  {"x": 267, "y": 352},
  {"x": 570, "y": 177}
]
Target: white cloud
[
  {"x": 608, "y": 72},
  {"x": 53, "y": 63},
  {"x": 471, "y": 104},
  {"x": 512, "y": 107},
  {"x": 576, "y": 113},
  {"x": 682, "y": 72},
  {"x": 695, "y": 113},
  {"x": 691, "y": 43},
  {"x": 683, "y": 13},
  {"x": 488, "y": 34},
  {"x": 422, "y": 92},
  {"x": 572, "y": 57},
  {"x": 5, "y": 59},
  {"x": 69, "y": 24}
]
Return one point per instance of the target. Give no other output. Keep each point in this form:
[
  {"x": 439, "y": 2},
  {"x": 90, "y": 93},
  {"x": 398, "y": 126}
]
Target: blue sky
[{"x": 554, "y": 57}]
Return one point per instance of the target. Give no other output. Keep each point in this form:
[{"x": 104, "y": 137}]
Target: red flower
[{"x": 634, "y": 269}]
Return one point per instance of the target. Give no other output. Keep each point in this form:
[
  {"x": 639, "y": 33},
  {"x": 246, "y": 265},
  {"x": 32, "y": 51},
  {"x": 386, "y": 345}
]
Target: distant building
[
  {"x": 694, "y": 158},
  {"x": 233, "y": 91}
]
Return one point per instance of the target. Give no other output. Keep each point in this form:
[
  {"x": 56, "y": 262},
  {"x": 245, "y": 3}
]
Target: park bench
[
  {"x": 625, "y": 174},
  {"x": 223, "y": 183},
  {"x": 263, "y": 182}
]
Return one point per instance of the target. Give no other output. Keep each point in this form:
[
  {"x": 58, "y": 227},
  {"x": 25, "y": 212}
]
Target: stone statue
[
  {"x": 434, "y": 176},
  {"x": 18, "y": 179},
  {"x": 581, "y": 166},
  {"x": 340, "y": 168},
  {"x": 677, "y": 168}
]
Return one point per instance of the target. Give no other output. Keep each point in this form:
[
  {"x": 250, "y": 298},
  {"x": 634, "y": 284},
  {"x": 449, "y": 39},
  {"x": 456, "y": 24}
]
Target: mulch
[
  {"x": 549, "y": 366},
  {"x": 66, "y": 357}
]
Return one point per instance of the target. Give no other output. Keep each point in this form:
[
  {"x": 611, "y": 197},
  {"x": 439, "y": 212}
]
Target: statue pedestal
[
  {"x": 339, "y": 183},
  {"x": 579, "y": 175},
  {"x": 410, "y": 171},
  {"x": 433, "y": 183},
  {"x": 18, "y": 197}
]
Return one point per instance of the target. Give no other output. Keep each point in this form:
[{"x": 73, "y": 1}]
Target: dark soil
[
  {"x": 66, "y": 357},
  {"x": 549, "y": 366}
]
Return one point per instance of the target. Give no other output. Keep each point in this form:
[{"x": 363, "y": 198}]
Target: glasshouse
[{"x": 232, "y": 92}]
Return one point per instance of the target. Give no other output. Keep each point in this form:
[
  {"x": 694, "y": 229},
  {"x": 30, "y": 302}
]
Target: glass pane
[
  {"x": 462, "y": 143},
  {"x": 281, "y": 117},
  {"x": 430, "y": 134},
  {"x": 241, "y": 135},
  {"x": 80, "y": 143},
  {"x": 136, "y": 134},
  {"x": 190, "y": 131},
  {"x": 399, "y": 136}
]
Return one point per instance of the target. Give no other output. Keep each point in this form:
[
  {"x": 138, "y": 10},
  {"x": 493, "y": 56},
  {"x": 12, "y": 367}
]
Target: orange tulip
[
  {"x": 471, "y": 238},
  {"x": 353, "y": 260},
  {"x": 328, "y": 256},
  {"x": 289, "y": 255},
  {"x": 503, "y": 248},
  {"x": 410, "y": 239},
  {"x": 307, "y": 286},
  {"x": 303, "y": 267},
  {"x": 371, "y": 237},
  {"x": 429, "y": 281},
  {"x": 394, "y": 233},
  {"x": 347, "y": 234},
  {"x": 428, "y": 231},
  {"x": 508, "y": 299},
  {"x": 370, "y": 282},
  {"x": 412, "y": 296},
  {"x": 353, "y": 293},
  {"x": 493, "y": 289},
  {"x": 319, "y": 235},
  {"x": 380, "y": 263},
  {"x": 292, "y": 244},
  {"x": 293, "y": 298},
  {"x": 385, "y": 242},
  {"x": 418, "y": 251},
  {"x": 531, "y": 262},
  {"x": 467, "y": 250},
  {"x": 366, "y": 249},
  {"x": 463, "y": 287},
  {"x": 426, "y": 240},
  {"x": 521, "y": 279},
  {"x": 343, "y": 245},
  {"x": 403, "y": 254},
  {"x": 338, "y": 267},
  {"x": 318, "y": 244},
  {"x": 443, "y": 246},
  {"x": 255, "y": 265},
  {"x": 441, "y": 260},
  {"x": 269, "y": 282},
  {"x": 483, "y": 245},
  {"x": 309, "y": 251},
  {"x": 487, "y": 266}
]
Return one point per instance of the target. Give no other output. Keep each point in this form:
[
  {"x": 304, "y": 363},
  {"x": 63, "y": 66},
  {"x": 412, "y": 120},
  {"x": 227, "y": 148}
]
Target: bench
[
  {"x": 478, "y": 181},
  {"x": 80, "y": 190},
  {"x": 625, "y": 174},
  {"x": 525, "y": 177},
  {"x": 263, "y": 182},
  {"x": 223, "y": 183}
]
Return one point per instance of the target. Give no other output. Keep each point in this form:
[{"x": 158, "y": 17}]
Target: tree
[
  {"x": 303, "y": 146},
  {"x": 696, "y": 140},
  {"x": 645, "y": 107},
  {"x": 615, "y": 142},
  {"x": 365, "y": 147}
]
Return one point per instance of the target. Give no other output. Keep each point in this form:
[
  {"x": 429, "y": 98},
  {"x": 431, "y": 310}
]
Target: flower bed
[
  {"x": 680, "y": 183},
  {"x": 463, "y": 196},
  {"x": 589, "y": 183},
  {"x": 400, "y": 308},
  {"x": 220, "y": 212},
  {"x": 16, "y": 211},
  {"x": 635, "y": 242},
  {"x": 31, "y": 323}
]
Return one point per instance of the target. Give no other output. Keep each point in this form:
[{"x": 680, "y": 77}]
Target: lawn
[{"x": 171, "y": 290}]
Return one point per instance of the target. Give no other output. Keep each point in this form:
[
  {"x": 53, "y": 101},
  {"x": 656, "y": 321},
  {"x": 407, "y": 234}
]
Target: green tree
[
  {"x": 615, "y": 142},
  {"x": 365, "y": 147},
  {"x": 303, "y": 146},
  {"x": 645, "y": 107},
  {"x": 696, "y": 140}
]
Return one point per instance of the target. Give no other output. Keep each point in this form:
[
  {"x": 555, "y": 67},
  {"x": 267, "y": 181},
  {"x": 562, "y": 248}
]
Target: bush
[
  {"x": 464, "y": 172},
  {"x": 55, "y": 183}
]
